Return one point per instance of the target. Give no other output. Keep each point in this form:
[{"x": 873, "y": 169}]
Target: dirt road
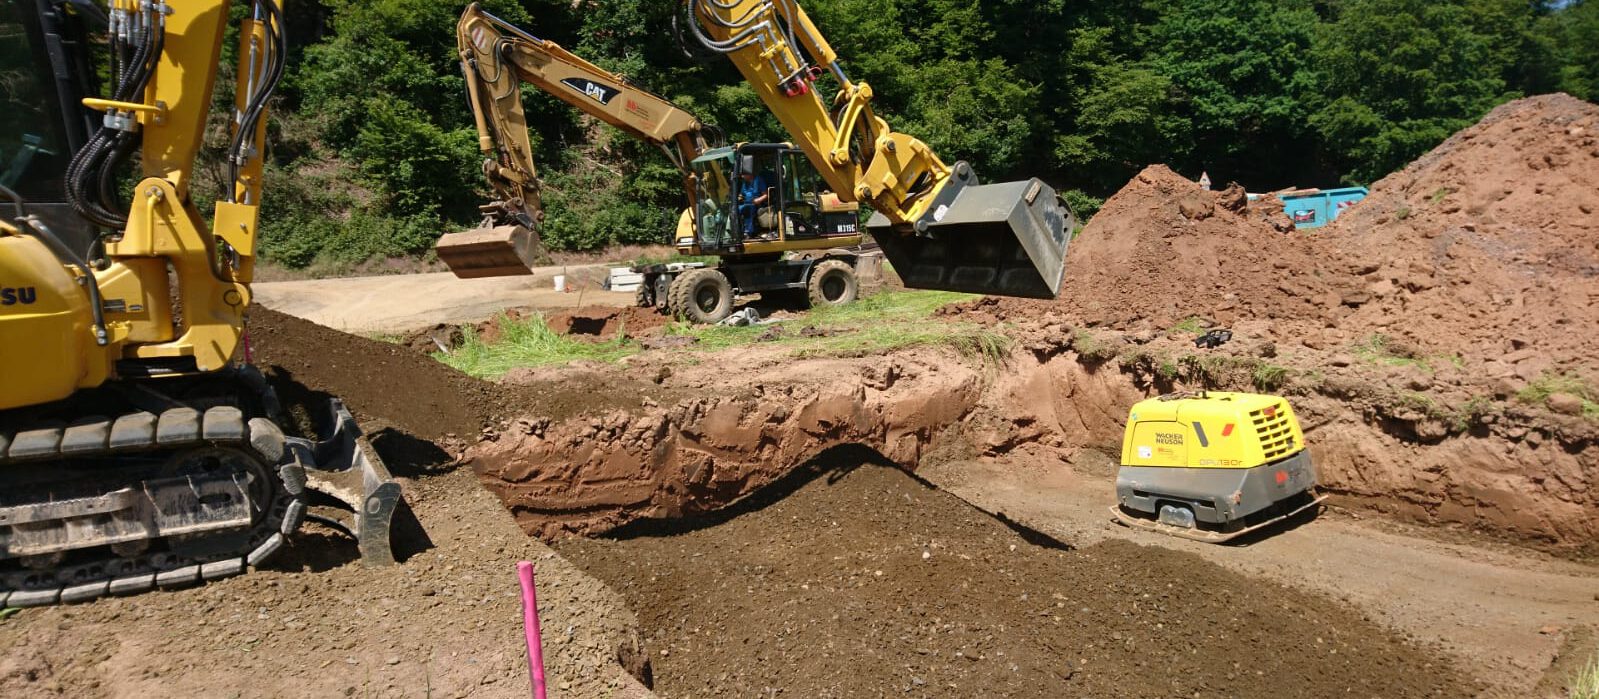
[
  {"x": 1509, "y": 612},
  {"x": 397, "y": 304}
]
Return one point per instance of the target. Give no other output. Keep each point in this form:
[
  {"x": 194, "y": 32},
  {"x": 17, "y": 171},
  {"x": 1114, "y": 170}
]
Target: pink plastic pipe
[{"x": 530, "y": 625}]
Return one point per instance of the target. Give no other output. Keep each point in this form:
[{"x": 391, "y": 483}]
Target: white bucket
[{"x": 560, "y": 283}]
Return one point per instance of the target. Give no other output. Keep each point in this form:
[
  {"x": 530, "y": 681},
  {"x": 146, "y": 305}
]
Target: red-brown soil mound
[{"x": 1489, "y": 243}]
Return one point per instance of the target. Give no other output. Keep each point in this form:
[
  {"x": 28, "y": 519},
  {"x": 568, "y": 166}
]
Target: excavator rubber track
[{"x": 120, "y": 505}]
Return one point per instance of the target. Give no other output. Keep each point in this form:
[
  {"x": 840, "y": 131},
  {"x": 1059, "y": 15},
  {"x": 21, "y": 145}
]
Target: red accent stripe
[{"x": 1228, "y": 430}]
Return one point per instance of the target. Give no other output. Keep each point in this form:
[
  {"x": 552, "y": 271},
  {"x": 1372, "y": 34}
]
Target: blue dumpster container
[{"x": 1314, "y": 208}]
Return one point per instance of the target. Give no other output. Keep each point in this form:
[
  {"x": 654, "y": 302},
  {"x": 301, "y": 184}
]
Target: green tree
[
  {"x": 1402, "y": 75},
  {"x": 1240, "y": 71},
  {"x": 1576, "y": 32}
]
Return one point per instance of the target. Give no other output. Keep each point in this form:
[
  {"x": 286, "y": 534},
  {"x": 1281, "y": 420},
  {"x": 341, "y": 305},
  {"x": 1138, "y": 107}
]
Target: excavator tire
[
  {"x": 833, "y": 283},
  {"x": 701, "y": 296}
]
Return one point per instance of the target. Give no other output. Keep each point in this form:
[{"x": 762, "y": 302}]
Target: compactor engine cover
[{"x": 1213, "y": 465}]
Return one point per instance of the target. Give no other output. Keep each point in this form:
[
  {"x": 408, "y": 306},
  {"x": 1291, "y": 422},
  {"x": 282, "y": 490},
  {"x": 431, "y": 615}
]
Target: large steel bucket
[
  {"x": 1005, "y": 239},
  {"x": 499, "y": 251}
]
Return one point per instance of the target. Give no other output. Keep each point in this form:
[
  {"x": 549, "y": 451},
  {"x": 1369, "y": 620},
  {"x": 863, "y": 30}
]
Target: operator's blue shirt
[{"x": 750, "y": 189}]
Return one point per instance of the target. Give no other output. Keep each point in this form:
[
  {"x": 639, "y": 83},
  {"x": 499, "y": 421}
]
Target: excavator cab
[{"x": 798, "y": 212}]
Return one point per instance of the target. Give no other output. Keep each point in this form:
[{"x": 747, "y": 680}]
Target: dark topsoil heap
[
  {"x": 1488, "y": 244},
  {"x": 867, "y": 582},
  {"x": 393, "y": 385}
]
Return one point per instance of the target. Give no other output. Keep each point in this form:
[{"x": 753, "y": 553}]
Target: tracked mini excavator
[
  {"x": 798, "y": 242},
  {"x": 137, "y": 450},
  {"x": 937, "y": 226}
]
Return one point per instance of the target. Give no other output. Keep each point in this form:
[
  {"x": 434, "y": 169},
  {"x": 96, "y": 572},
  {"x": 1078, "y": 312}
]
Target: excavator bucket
[
  {"x": 344, "y": 471},
  {"x": 1006, "y": 239},
  {"x": 498, "y": 251}
]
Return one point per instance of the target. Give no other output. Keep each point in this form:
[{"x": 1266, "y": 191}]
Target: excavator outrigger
[
  {"x": 137, "y": 450},
  {"x": 757, "y": 252}
]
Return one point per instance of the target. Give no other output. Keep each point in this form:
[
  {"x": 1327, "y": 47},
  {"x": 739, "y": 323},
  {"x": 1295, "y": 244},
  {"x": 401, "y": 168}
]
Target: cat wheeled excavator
[
  {"x": 937, "y": 226},
  {"x": 797, "y": 242},
  {"x": 138, "y": 449}
]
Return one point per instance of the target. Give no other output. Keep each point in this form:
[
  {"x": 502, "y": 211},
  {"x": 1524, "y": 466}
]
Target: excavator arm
[
  {"x": 937, "y": 226},
  {"x": 497, "y": 58}
]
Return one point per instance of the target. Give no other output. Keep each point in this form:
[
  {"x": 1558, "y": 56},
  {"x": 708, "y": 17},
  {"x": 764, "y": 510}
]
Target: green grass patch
[
  {"x": 1438, "y": 196},
  {"x": 1269, "y": 377},
  {"x": 1192, "y": 325},
  {"x": 881, "y": 323},
  {"x": 1548, "y": 384},
  {"x": 529, "y": 342},
  {"x": 1586, "y": 684},
  {"x": 1092, "y": 347},
  {"x": 1378, "y": 348}
]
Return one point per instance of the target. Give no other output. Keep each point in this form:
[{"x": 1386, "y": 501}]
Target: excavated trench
[
  {"x": 1526, "y": 476},
  {"x": 772, "y": 534}
]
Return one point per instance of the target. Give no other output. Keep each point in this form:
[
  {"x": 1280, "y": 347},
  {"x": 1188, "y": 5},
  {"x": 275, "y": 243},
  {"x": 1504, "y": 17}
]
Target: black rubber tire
[
  {"x": 833, "y": 283},
  {"x": 701, "y": 296}
]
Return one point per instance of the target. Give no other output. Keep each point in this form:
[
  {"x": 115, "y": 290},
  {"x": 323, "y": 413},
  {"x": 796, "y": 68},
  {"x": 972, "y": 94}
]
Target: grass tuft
[
  {"x": 1586, "y": 683},
  {"x": 1548, "y": 384},
  {"x": 529, "y": 342},
  {"x": 1192, "y": 325}
]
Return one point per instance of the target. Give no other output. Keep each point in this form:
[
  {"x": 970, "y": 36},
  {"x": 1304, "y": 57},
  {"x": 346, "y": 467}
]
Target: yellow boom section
[
  {"x": 497, "y": 58},
  {"x": 939, "y": 227}
]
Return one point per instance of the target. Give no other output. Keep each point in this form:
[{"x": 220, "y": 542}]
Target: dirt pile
[
  {"x": 730, "y": 435},
  {"x": 1489, "y": 244},
  {"x": 1162, "y": 249},
  {"x": 395, "y": 385},
  {"x": 313, "y": 623},
  {"x": 380, "y": 381},
  {"x": 607, "y": 321},
  {"x": 866, "y": 582}
]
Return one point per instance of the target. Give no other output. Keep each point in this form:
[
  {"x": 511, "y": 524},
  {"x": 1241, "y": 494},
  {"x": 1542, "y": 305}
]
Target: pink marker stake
[{"x": 530, "y": 624}]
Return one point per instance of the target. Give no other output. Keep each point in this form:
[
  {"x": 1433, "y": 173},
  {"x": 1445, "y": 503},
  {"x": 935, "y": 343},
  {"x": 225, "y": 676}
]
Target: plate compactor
[{"x": 1213, "y": 466}]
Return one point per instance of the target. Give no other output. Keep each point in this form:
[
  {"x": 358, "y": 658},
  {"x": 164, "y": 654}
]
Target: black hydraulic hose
[
  {"x": 276, "y": 57},
  {"x": 67, "y": 256}
]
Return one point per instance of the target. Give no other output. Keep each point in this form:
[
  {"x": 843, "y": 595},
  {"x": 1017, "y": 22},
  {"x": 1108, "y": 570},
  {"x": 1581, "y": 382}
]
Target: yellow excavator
[
  {"x": 137, "y": 450},
  {"x": 755, "y": 204},
  {"x": 795, "y": 238},
  {"x": 937, "y": 226}
]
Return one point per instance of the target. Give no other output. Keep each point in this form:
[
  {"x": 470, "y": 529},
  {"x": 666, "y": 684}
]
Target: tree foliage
[{"x": 375, "y": 153}]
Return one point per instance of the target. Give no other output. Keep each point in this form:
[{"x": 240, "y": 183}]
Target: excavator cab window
[
  {"x": 714, "y": 197},
  {"x": 33, "y": 146}
]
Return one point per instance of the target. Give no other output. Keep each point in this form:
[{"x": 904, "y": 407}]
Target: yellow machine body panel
[
  {"x": 46, "y": 349},
  {"x": 1215, "y": 430}
]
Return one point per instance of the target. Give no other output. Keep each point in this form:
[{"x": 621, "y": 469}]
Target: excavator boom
[
  {"x": 497, "y": 57},
  {"x": 937, "y": 226}
]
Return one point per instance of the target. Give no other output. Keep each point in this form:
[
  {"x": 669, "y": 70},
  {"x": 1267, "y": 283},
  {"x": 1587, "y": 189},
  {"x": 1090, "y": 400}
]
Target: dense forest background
[{"x": 374, "y": 154}]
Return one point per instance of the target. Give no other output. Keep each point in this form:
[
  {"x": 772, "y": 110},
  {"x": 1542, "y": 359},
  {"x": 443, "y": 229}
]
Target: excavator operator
[{"x": 754, "y": 192}]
